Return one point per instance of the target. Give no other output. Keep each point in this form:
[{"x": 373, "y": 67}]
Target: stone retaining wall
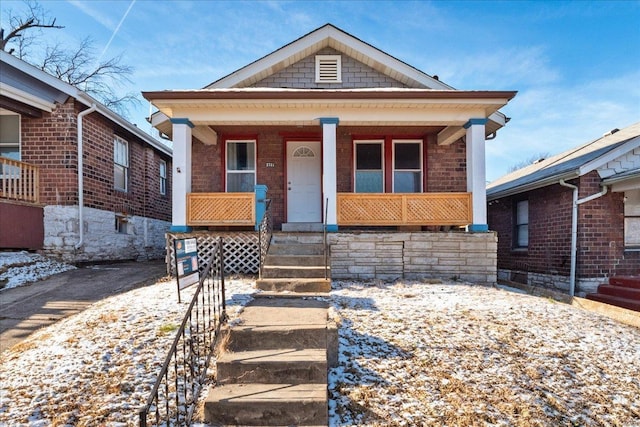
[
  {"x": 413, "y": 255},
  {"x": 144, "y": 237}
]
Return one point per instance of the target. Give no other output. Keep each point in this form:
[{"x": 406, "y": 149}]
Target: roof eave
[{"x": 519, "y": 189}]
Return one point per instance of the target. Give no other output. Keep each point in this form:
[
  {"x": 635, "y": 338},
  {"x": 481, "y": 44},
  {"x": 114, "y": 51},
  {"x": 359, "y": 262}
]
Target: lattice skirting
[{"x": 241, "y": 250}]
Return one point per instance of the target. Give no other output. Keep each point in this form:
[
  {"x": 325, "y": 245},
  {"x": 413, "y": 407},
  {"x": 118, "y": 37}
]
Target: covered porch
[{"x": 336, "y": 158}]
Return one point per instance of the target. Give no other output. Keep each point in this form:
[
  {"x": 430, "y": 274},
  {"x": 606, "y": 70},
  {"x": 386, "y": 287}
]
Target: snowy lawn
[
  {"x": 21, "y": 268},
  {"x": 410, "y": 354},
  {"x": 459, "y": 355}
]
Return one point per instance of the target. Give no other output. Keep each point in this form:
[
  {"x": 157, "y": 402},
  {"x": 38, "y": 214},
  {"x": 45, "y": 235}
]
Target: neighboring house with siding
[
  {"x": 343, "y": 135},
  {"x": 117, "y": 207},
  {"x": 532, "y": 211}
]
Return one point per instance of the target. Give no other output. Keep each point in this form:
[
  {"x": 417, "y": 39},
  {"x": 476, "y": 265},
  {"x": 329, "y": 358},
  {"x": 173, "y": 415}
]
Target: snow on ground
[
  {"x": 21, "y": 268},
  {"x": 458, "y": 355},
  {"x": 410, "y": 354}
]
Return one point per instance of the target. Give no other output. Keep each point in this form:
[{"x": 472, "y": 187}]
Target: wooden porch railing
[
  {"x": 221, "y": 209},
  {"x": 19, "y": 181},
  {"x": 404, "y": 209}
]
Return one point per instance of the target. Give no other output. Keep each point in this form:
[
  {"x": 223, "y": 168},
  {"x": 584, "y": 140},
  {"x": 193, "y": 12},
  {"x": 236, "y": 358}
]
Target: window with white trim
[
  {"x": 163, "y": 177},
  {"x": 521, "y": 225},
  {"x": 120, "y": 164},
  {"x": 241, "y": 166},
  {"x": 9, "y": 135},
  {"x": 632, "y": 219},
  {"x": 407, "y": 166},
  {"x": 369, "y": 167},
  {"x": 328, "y": 69}
]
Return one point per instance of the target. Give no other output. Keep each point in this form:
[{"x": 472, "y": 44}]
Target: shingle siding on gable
[{"x": 301, "y": 75}]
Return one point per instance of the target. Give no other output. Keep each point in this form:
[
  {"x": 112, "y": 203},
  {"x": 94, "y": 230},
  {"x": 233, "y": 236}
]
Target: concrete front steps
[
  {"x": 620, "y": 291},
  {"x": 273, "y": 366},
  {"x": 295, "y": 262}
]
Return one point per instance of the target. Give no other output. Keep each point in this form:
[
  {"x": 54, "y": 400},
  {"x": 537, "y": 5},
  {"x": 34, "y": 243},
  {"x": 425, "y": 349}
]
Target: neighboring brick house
[
  {"x": 124, "y": 204},
  {"x": 343, "y": 136},
  {"x": 532, "y": 211}
]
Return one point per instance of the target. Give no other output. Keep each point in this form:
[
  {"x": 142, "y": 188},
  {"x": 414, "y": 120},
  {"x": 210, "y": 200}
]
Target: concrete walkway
[{"x": 25, "y": 309}]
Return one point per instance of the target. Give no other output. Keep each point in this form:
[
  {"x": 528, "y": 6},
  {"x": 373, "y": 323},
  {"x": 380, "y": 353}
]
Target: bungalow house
[
  {"x": 77, "y": 181},
  {"x": 344, "y": 137},
  {"x": 571, "y": 221}
]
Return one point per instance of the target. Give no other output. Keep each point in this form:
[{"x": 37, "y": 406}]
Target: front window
[
  {"x": 407, "y": 166},
  {"x": 163, "y": 177},
  {"x": 120, "y": 164},
  {"x": 9, "y": 136},
  {"x": 521, "y": 229},
  {"x": 241, "y": 166},
  {"x": 632, "y": 219},
  {"x": 369, "y": 177}
]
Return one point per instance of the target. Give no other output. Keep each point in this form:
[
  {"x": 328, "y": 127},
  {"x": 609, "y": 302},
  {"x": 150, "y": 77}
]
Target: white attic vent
[{"x": 328, "y": 69}]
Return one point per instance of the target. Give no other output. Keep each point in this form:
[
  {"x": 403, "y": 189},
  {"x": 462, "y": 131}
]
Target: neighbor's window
[
  {"x": 9, "y": 137},
  {"x": 407, "y": 166},
  {"x": 521, "y": 229},
  {"x": 120, "y": 164},
  {"x": 632, "y": 219},
  {"x": 241, "y": 166},
  {"x": 369, "y": 176},
  {"x": 163, "y": 177}
]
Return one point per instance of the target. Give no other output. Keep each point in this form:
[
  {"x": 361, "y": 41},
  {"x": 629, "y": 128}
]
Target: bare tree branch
[{"x": 76, "y": 66}]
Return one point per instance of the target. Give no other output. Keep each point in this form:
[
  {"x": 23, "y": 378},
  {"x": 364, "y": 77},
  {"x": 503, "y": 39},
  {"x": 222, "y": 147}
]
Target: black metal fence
[
  {"x": 264, "y": 235},
  {"x": 174, "y": 396}
]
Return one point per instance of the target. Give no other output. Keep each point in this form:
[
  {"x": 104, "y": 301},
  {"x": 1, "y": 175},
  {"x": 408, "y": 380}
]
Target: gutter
[
  {"x": 81, "y": 176},
  {"x": 574, "y": 228}
]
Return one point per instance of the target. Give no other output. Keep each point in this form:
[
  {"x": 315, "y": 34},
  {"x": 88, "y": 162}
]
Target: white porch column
[
  {"x": 181, "y": 175},
  {"x": 329, "y": 171},
  {"x": 476, "y": 173}
]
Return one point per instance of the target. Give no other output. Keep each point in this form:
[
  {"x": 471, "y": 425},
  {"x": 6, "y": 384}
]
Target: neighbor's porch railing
[
  {"x": 173, "y": 398},
  {"x": 404, "y": 209},
  {"x": 221, "y": 209},
  {"x": 19, "y": 181}
]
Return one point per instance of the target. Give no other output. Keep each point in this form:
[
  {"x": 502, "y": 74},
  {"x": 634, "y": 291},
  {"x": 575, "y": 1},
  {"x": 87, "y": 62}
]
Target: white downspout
[
  {"x": 574, "y": 228},
  {"x": 80, "y": 176}
]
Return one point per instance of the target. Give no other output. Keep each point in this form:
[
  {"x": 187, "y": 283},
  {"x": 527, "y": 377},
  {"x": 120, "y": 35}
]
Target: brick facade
[
  {"x": 51, "y": 143},
  {"x": 445, "y": 170},
  {"x": 547, "y": 260}
]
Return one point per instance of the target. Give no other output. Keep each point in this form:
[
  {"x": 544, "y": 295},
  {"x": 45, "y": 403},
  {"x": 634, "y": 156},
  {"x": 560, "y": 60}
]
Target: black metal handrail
[
  {"x": 264, "y": 235},
  {"x": 174, "y": 396}
]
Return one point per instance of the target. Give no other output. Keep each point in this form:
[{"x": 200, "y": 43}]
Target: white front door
[{"x": 304, "y": 189}]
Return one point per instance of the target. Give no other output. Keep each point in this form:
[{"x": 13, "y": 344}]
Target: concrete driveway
[{"x": 25, "y": 309}]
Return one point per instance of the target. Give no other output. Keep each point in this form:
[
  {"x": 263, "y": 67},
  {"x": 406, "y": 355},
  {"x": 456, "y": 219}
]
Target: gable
[
  {"x": 626, "y": 163},
  {"x": 353, "y": 74}
]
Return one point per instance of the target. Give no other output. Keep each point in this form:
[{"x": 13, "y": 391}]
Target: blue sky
[{"x": 575, "y": 65}]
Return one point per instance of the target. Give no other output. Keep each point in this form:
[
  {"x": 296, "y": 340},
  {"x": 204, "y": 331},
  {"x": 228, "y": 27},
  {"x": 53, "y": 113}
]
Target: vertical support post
[
  {"x": 181, "y": 176},
  {"x": 476, "y": 173},
  {"x": 329, "y": 171}
]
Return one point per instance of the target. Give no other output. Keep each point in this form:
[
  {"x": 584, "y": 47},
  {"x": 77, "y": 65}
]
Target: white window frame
[
  {"x": 517, "y": 226},
  {"x": 243, "y": 171},
  {"x": 328, "y": 59},
  {"x": 162, "y": 166},
  {"x": 632, "y": 219},
  {"x": 17, "y": 144},
  {"x": 124, "y": 166},
  {"x": 393, "y": 162},
  {"x": 355, "y": 162}
]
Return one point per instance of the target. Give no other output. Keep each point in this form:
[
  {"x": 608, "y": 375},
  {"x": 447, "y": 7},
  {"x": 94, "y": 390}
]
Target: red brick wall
[
  {"x": 600, "y": 232},
  {"x": 446, "y": 165},
  {"x": 51, "y": 143}
]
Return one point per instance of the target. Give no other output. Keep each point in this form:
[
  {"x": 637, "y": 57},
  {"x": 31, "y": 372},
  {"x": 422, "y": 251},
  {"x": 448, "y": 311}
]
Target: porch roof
[{"x": 354, "y": 107}]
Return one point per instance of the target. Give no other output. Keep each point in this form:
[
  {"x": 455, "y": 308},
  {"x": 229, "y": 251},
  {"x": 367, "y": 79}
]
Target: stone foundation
[
  {"x": 413, "y": 255},
  {"x": 554, "y": 282},
  {"x": 140, "y": 238}
]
